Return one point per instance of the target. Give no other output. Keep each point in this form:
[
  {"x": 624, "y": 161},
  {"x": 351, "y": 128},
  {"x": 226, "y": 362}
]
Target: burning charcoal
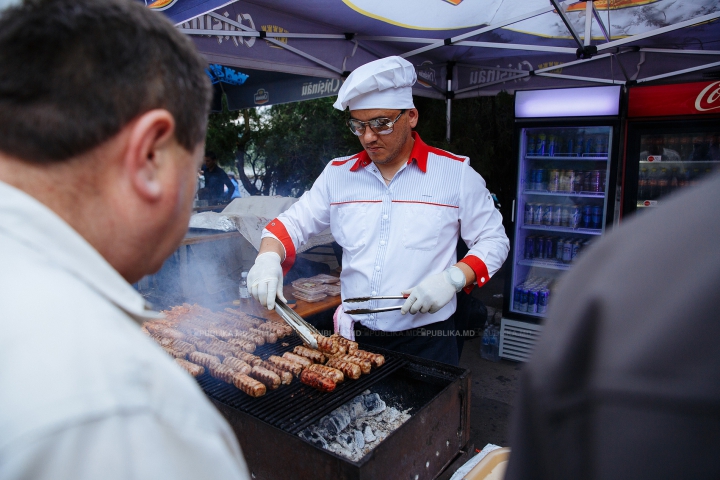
[
  {"x": 373, "y": 404},
  {"x": 368, "y": 434},
  {"x": 336, "y": 421},
  {"x": 314, "y": 438},
  {"x": 347, "y": 441},
  {"x": 391, "y": 414},
  {"x": 359, "y": 439}
]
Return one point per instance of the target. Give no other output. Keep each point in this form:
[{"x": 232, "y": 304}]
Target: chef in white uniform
[{"x": 397, "y": 209}]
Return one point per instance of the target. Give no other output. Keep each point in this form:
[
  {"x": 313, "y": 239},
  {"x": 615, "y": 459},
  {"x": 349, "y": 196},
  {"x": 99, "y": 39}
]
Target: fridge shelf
[
  {"x": 682, "y": 162},
  {"x": 565, "y": 194},
  {"x": 554, "y": 264},
  {"x": 550, "y": 228},
  {"x": 570, "y": 158},
  {"x": 539, "y": 315}
]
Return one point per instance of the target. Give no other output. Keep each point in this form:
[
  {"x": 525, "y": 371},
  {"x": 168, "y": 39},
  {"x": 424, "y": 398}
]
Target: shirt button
[
  {"x": 377, "y": 268},
  {"x": 385, "y": 217},
  {"x": 382, "y": 242},
  {"x": 482, "y": 279}
]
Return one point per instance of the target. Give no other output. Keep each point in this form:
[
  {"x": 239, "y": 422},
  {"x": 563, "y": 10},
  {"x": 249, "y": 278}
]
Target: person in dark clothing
[
  {"x": 624, "y": 382},
  {"x": 215, "y": 181}
]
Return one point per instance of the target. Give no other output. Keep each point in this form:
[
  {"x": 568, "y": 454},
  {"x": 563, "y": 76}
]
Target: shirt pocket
[
  {"x": 421, "y": 226},
  {"x": 348, "y": 225}
]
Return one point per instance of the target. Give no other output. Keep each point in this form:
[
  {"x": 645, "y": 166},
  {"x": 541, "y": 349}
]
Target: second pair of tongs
[
  {"x": 359, "y": 311},
  {"x": 304, "y": 330}
]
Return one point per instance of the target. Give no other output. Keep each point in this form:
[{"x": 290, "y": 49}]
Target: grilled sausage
[
  {"x": 350, "y": 370},
  {"x": 204, "y": 359},
  {"x": 243, "y": 344},
  {"x": 285, "y": 377},
  {"x": 173, "y": 353},
  {"x": 275, "y": 328},
  {"x": 317, "y": 381},
  {"x": 285, "y": 364},
  {"x": 365, "y": 365},
  {"x": 249, "y": 385},
  {"x": 248, "y": 358},
  {"x": 311, "y": 354},
  {"x": 237, "y": 365},
  {"x": 270, "y": 337},
  {"x": 326, "y": 344},
  {"x": 223, "y": 372},
  {"x": 164, "y": 331},
  {"x": 270, "y": 379},
  {"x": 376, "y": 359},
  {"x": 332, "y": 373},
  {"x": 191, "y": 368},
  {"x": 348, "y": 344},
  {"x": 297, "y": 359}
]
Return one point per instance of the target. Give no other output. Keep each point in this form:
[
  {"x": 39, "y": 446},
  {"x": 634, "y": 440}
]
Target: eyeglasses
[{"x": 381, "y": 126}]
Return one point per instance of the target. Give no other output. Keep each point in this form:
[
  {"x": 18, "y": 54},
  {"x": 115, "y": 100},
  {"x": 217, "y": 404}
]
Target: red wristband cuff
[
  {"x": 481, "y": 272},
  {"x": 277, "y": 228}
]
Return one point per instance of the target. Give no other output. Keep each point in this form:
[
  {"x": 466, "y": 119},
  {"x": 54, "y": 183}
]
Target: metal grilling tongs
[
  {"x": 304, "y": 330},
  {"x": 359, "y": 311}
]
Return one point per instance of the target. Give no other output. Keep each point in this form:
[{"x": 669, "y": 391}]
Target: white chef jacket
[
  {"x": 84, "y": 394},
  {"x": 394, "y": 236}
]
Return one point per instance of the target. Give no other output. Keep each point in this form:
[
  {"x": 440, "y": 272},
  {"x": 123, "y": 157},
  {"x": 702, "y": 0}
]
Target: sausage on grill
[
  {"x": 248, "y": 358},
  {"x": 365, "y": 365},
  {"x": 191, "y": 368},
  {"x": 237, "y": 365},
  {"x": 249, "y": 385},
  {"x": 270, "y": 337},
  {"x": 173, "y": 353},
  {"x": 317, "y": 381},
  {"x": 375, "y": 358},
  {"x": 326, "y": 344},
  {"x": 297, "y": 359},
  {"x": 285, "y": 364},
  {"x": 270, "y": 379},
  {"x": 204, "y": 359},
  {"x": 311, "y": 354},
  {"x": 285, "y": 377},
  {"x": 349, "y": 345},
  {"x": 223, "y": 372},
  {"x": 332, "y": 373},
  {"x": 349, "y": 369}
]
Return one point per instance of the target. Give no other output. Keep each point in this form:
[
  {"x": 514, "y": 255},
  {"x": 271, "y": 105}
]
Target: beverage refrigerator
[
  {"x": 673, "y": 141},
  {"x": 566, "y": 144}
]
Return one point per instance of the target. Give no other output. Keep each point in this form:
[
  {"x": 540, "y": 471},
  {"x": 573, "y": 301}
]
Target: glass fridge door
[
  {"x": 672, "y": 161},
  {"x": 562, "y": 207}
]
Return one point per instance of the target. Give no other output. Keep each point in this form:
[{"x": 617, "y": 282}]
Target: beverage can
[
  {"x": 596, "y": 216},
  {"x": 538, "y": 213},
  {"x": 553, "y": 184},
  {"x": 542, "y": 301},
  {"x": 565, "y": 219},
  {"x": 587, "y": 216},
  {"x": 540, "y": 145},
  {"x": 539, "y": 247},
  {"x": 578, "y": 183},
  {"x": 539, "y": 179},
  {"x": 548, "y": 215},
  {"x": 559, "y": 246},
  {"x": 595, "y": 181},
  {"x": 552, "y": 146},
  {"x": 532, "y": 301},
  {"x": 523, "y": 301},
  {"x": 567, "y": 252},
  {"x": 529, "y": 209},
  {"x": 517, "y": 295},
  {"x": 549, "y": 248},
  {"x": 529, "y": 247},
  {"x": 575, "y": 217},
  {"x": 575, "y": 250},
  {"x": 569, "y": 180},
  {"x": 530, "y": 150},
  {"x": 589, "y": 145},
  {"x": 579, "y": 144},
  {"x": 569, "y": 145},
  {"x": 557, "y": 215}
]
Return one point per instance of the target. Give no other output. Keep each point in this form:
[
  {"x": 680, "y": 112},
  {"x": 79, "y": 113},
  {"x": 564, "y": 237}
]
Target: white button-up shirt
[
  {"x": 83, "y": 394},
  {"x": 393, "y": 236}
]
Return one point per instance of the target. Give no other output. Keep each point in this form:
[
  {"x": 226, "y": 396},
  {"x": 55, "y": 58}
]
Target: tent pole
[
  {"x": 449, "y": 96},
  {"x": 447, "y": 119}
]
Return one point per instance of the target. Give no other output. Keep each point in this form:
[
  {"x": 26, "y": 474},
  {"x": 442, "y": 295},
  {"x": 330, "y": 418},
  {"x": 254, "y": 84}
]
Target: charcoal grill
[{"x": 422, "y": 448}]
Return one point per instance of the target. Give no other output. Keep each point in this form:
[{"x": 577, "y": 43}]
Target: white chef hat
[{"x": 383, "y": 83}]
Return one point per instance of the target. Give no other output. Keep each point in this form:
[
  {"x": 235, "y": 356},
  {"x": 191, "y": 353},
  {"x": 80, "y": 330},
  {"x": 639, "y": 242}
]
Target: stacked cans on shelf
[
  {"x": 553, "y": 248},
  {"x": 570, "y": 143},
  {"x": 532, "y": 296},
  {"x": 560, "y": 215},
  {"x": 566, "y": 181}
]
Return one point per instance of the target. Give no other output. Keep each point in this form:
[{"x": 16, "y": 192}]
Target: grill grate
[{"x": 294, "y": 407}]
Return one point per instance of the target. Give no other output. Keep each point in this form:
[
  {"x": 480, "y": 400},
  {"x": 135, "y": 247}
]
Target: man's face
[
  {"x": 384, "y": 149},
  {"x": 209, "y": 162}
]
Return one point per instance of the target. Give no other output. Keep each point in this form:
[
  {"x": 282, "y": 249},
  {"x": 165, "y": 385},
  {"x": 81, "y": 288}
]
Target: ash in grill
[{"x": 357, "y": 427}]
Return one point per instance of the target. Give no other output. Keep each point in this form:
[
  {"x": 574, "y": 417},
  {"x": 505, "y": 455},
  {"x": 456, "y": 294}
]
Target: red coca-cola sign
[{"x": 698, "y": 98}]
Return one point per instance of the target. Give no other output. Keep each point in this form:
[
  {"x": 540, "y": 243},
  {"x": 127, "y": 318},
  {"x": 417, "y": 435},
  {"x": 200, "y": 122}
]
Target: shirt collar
[
  {"x": 419, "y": 154},
  {"x": 28, "y": 221}
]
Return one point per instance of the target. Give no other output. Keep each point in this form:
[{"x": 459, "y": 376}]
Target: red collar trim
[{"x": 419, "y": 153}]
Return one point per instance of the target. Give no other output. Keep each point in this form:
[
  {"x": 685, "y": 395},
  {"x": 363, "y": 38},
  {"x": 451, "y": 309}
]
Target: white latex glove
[
  {"x": 430, "y": 295},
  {"x": 265, "y": 279}
]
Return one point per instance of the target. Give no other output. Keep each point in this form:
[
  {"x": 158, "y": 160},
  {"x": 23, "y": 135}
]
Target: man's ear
[
  {"x": 413, "y": 117},
  {"x": 150, "y": 137}
]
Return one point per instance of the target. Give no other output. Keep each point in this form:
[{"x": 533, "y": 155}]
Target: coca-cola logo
[
  {"x": 654, "y": 158},
  {"x": 709, "y": 98}
]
